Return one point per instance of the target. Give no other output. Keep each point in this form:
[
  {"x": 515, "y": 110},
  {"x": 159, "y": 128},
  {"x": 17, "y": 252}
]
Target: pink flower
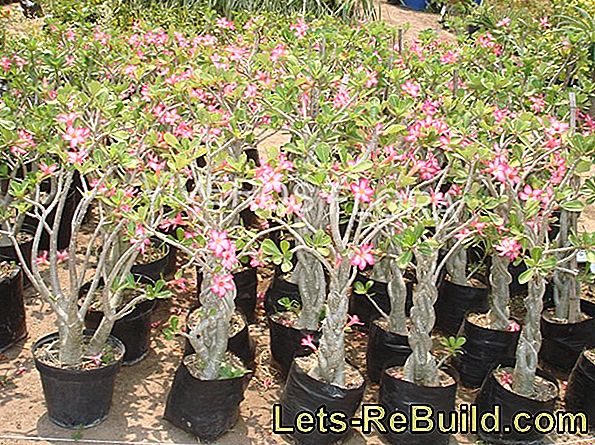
[
  {"x": 449, "y": 57},
  {"x": 308, "y": 342},
  {"x": 219, "y": 242},
  {"x": 292, "y": 207},
  {"x": 353, "y": 320},
  {"x": 544, "y": 22},
  {"x": 48, "y": 170},
  {"x": 361, "y": 190},
  {"x": 299, "y": 28},
  {"x": 437, "y": 198},
  {"x": 278, "y": 52},
  {"x": 222, "y": 284},
  {"x": 76, "y": 136},
  {"x": 62, "y": 256},
  {"x": 513, "y": 326},
  {"x": 411, "y": 88},
  {"x": 68, "y": 118},
  {"x": 506, "y": 378},
  {"x": 342, "y": 98},
  {"x": 503, "y": 23},
  {"x": 96, "y": 359},
  {"x": 77, "y": 157},
  {"x": 528, "y": 193},
  {"x": 42, "y": 259},
  {"x": 362, "y": 257},
  {"x": 509, "y": 247}
]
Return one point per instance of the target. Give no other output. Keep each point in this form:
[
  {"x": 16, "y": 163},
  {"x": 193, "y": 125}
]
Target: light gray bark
[
  {"x": 500, "y": 279},
  {"x": 566, "y": 285},
  {"x": 397, "y": 293},
  {"x": 527, "y": 357},
  {"x": 456, "y": 266},
  {"x": 421, "y": 366},
  {"x": 312, "y": 286}
]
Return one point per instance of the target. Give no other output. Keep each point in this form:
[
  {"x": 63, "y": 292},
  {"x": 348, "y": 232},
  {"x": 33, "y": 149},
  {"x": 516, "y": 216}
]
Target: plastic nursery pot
[
  {"x": 246, "y": 283},
  {"x": 77, "y": 398},
  {"x": 13, "y": 327},
  {"x": 240, "y": 344},
  {"x": 280, "y": 288},
  {"x": 303, "y": 393},
  {"x": 455, "y": 301},
  {"x": 493, "y": 394},
  {"x": 563, "y": 343},
  {"x": 397, "y": 394},
  {"x": 204, "y": 408},
  {"x": 385, "y": 349},
  {"x": 515, "y": 287},
  {"x": 416, "y": 5},
  {"x": 133, "y": 330},
  {"x": 581, "y": 387},
  {"x": 483, "y": 349},
  {"x": 286, "y": 343},
  {"x": 156, "y": 269},
  {"x": 8, "y": 252}
]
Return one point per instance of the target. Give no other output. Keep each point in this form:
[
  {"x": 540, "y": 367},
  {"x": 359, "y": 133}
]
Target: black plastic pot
[
  {"x": 385, "y": 349},
  {"x": 77, "y": 398},
  {"x": 9, "y": 253},
  {"x": 13, "y": 327},
  {"x": 303, "y": 393},
  {"x": 285, "y": 343},
  {"x": 455, "y": 301},
  {"x": 399, "y": 395},
  {"x": 241, "y": 344},
  {"x": 580, "y": 389},
  {"x": 492, "y": 393},
  {"x": 206, "y": 409},
  {"x": 361, "y": 305},
  {"x": 155, "y": 270},
  {"x": 515, "y": 287},
  {"x": 563, "y": 343},
  {"x": 278, "y": 289},
  {"x": 246, "y": 283},
  {"x": 483, "y": 349}
]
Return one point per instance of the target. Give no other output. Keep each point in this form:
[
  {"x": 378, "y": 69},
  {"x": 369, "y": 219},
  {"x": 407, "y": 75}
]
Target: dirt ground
[{"x": 141, "y": 390}]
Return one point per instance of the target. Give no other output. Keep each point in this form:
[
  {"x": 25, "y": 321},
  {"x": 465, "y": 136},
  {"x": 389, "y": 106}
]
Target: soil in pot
[
  {"x": 280, "y": 288},
  {"x": 304, "y": 392},
  {"x": 207, "y": 409},
  {"x": 581, "y": 386},
  {"x": 239, "y": 342},
  {"x": 246, "y": 282},
  {"x": 77, "y": 397},
  {"x": 8, "y": 252},
  {"x": 397, "y": 394},
  {"x": 153, "y": 262},
  {"x": 455, "y": 301},
  {"x": 563, "y": 342},
  {"x": 385, "y": 349},
  {"x": 13, "y": 327},
  {"x": 286, "y": 340},
  {"x": 483, "y": 349},
  {"x": 497, "y": 390},
  {"x": 361, "y": 305},
  {"x": 133, "y": 330}
]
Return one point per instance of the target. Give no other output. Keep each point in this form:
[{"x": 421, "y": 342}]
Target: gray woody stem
[
  {"x": 312, "y": 286},
  {"x": 457, "y": 266},
  {"x": 530, "y": 341},
  {"x": 566, "y": 286},
  {"x": 421, "y": 367},
  {"x": 500, "y": 279}
]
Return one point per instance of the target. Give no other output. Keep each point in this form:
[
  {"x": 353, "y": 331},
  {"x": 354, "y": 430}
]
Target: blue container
[{"x": 417, "y": 5}]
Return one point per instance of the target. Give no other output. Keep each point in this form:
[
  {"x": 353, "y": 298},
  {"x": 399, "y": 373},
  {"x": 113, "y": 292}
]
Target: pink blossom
[
  {"x": 529, "y": 193},
  {"x": 68, "y": 118},
  {"x": 292, "y": 207},
  {"x": 256, "y": 259},
  {"x": 503, "y": 23},
  {"x": 62, "y": 256},
  {"x": 42, "y": 259},
  {"x": 362, "y": 256},
  {"x": 263, "y": 201},
  {"x": 411, "y": 88},
  {"x": 47, "y": 169},
  {"x": 537, "y": 103},
  {"x": 353, "y": 320},
  {"x": 299, "y": 28},
  {"x": 77, "y": 157},
  {"x": 544, "y": 22},
  {"x": 450, "y": 57},
  {"x": 362, "y": 190},
  {"x": 222, "y": 284},
  {"x": 371, "y": 79},
  {"x": 437, "y": 198},
  {"x": 5, "y": 63},
  {"x": 224, "y": 23},
  {"x": 509, "y": 247},
  {"x": 218, "y": 242},
  {"x": 278, "y": 52},
  {"x": 76, "y": 136},
  {"x": 506, "y": 378},
  {"x": 513, "y": 326},
  {"x": 308, "y": 342},
  {"x": 342, "y": 98},
  {"x": 502, "y": 171}
]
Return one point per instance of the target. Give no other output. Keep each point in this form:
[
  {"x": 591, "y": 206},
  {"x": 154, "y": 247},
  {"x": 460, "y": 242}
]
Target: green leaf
[
  {"x": 526, "y": 276},
  {"x": 573, "y": 206}
]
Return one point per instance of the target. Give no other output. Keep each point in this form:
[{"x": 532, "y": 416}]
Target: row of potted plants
[{"x": 411, "y": 169}]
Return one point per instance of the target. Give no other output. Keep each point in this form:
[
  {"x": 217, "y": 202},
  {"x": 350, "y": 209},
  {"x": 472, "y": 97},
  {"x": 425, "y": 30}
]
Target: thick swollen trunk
[
  {"x": 527, "y": 352},
  {"x": 456, "y": 266},
  {"x": 312, "y": 286},
  {"x": 397, "y": 293},
  {"x": 210, "y": 335},
  {"x": 421, "y": 367},
  {"x": 71, "y": 341},
  {"x": 381, "y": 271},
  {"x": 566, "y": 286},
  {"x": 500, "y": 279},
  {"x": 331, "y": 354}
]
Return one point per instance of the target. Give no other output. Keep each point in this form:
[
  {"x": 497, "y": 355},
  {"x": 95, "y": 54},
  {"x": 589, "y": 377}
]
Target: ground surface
[{"x": 141, "y": 390}]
